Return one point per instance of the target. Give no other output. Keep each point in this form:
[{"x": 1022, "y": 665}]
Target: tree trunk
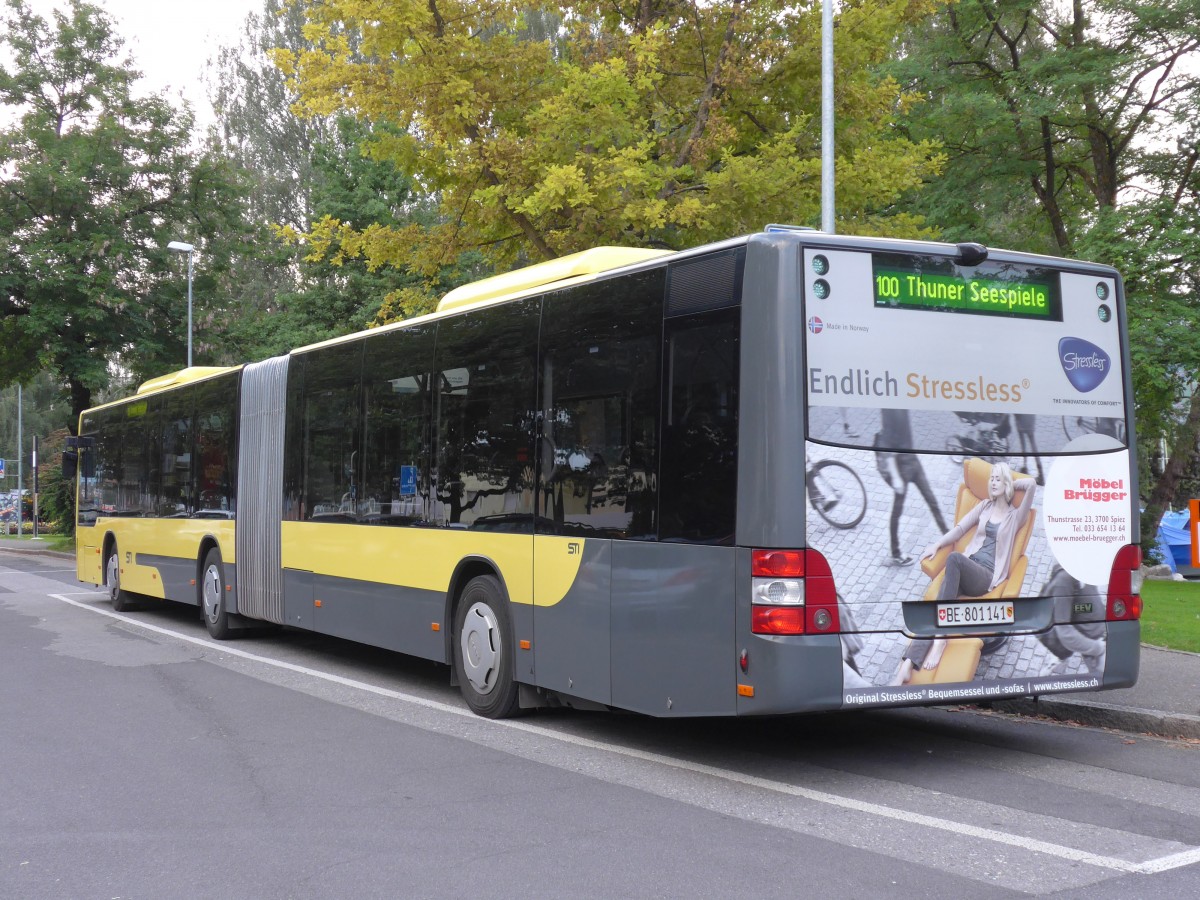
[
  {"x": 81, "y": 399},
  {"x": 1183, "y": 450}
]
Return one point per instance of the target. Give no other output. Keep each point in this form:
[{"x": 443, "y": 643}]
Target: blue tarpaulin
[{"x": 1175, "y": 539}]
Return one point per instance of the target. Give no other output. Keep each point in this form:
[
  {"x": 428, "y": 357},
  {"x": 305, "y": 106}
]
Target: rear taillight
[
  {"x": 777, "y": 619},
  {"x": 1125, "y": 585},
  {"x": 792, "y": 593}
]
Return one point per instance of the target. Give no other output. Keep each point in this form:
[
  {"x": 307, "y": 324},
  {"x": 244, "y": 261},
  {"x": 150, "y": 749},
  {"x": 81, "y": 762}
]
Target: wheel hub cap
[
  {"x": 480, "y": 648},
  {"x": 212, "y": 595}
]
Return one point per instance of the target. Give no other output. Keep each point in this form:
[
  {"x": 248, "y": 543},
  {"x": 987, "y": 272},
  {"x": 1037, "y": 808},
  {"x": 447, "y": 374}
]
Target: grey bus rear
[{"x": 886, "y": 382}]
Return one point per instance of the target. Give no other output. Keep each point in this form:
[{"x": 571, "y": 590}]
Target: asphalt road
[{"x": 142, "y": 759}]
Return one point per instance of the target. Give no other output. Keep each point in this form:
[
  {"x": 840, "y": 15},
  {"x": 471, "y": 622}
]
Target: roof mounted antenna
[{"x": 971, "y": 254}]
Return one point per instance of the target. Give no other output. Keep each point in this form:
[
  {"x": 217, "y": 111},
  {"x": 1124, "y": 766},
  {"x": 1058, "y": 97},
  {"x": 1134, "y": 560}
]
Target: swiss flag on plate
[{"x": 942, "y": 614}]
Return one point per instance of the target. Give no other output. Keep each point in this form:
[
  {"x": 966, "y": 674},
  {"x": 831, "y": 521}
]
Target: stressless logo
[{"x": 1084, "y": 364}]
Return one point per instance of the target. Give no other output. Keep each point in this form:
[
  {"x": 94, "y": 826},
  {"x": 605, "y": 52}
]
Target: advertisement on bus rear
[{"x": 969, "y": 477}]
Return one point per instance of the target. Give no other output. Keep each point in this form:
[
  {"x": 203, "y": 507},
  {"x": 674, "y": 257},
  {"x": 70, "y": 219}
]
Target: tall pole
[
  {"x": 190, "y": 252},
  {"x": 20, "y": 459},
  {"x": 36, "y": 537},
  {"x": 827, "y": 157}
]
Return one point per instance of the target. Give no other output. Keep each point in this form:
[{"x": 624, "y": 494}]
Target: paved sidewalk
[{"x": 1165, "y": 701}]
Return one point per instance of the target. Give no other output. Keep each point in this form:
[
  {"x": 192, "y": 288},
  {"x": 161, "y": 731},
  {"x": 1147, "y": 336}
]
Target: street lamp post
[
  {"x": 827, "y": 126},
  {"x": 181, "y": 247}
]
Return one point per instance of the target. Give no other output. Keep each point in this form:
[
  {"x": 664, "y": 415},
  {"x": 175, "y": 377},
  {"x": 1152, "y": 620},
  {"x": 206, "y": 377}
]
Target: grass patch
[
  {"x": 62, "y": 542},
  {"x": 1171, "y": 614}
]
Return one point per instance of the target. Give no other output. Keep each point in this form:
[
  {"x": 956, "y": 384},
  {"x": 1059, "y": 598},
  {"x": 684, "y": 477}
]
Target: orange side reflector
[
  {"x": 436, "y": 626},
  {"x": 228, "y": 588},
  {"x": 316, "y": 603},
  {"x": 192, "y": 582},
  {"x": 745, "y": 690},
  {"x": 525, "y": 645}
]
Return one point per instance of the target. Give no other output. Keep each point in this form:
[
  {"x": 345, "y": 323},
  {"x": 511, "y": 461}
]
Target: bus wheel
[
  {"x": 483, "y": 649},
  {"x": 212, "y": 597},
  {"x": 121, "y": 600}
]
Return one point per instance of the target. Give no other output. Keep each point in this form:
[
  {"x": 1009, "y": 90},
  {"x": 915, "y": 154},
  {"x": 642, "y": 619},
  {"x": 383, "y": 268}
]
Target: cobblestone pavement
[{"x": 867, "y": 579}]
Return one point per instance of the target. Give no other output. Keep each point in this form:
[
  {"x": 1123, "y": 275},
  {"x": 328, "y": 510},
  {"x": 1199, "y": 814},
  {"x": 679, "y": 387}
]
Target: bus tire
[
  {"x": 484, "y": 649},
  {"x": 212, "y": 597},
  {"x": 120, "y": 598}
]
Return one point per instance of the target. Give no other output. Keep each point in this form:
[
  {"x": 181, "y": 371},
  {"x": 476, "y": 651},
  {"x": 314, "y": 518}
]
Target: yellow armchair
[
  {"x": 961, "y": 656},
  {"x": 971, "y": 493}
]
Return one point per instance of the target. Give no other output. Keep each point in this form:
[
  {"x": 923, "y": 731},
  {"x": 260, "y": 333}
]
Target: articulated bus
[{"x": 786, "y": 472}]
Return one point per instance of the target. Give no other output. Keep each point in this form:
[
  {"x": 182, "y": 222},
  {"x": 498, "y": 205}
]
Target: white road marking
[{"x": 1187, "y": 857}]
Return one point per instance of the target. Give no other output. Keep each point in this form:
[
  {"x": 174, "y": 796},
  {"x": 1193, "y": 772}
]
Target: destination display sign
[{"x": 935, "y": 284}]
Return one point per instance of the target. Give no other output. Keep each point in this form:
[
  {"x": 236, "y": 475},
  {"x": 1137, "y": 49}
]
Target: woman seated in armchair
[{"x": 983, "y": 564}]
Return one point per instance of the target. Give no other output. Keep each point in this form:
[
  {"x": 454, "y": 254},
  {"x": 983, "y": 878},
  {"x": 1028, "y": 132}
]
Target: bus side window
[
  {"x": 600, "y": 398},
  {"x": 135, "y": 498},
  {"x": 332, "y": 415},
  {"x": 175, "y": 448},
  {"x": 397, "y": 369},
  {"x": 212, "y": 485},
  {"x": 485, "y": 374},
  {"x": 699, "y": 500}
]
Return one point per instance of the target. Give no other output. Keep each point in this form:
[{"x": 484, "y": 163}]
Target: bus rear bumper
[
  {"x": 1123, "y": 657},
  {"x": 791, "y": 674}
]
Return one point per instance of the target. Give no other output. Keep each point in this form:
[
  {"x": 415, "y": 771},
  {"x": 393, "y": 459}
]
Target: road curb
[
  {"x": 1107, "y": 715},
  {"x": 37, "y": 551},
  {"x": 1169, "y": 650}
]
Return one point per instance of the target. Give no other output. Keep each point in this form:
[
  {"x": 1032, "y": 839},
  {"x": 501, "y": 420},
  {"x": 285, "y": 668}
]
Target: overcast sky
[{"x": 171, "y": 42}]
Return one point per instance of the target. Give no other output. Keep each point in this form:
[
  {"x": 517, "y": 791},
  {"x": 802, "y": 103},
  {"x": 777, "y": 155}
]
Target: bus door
[
  {"x": 572, "y": 553},
  {"x": 673, "y": 598},
  {"x": 596, "y": 451}
]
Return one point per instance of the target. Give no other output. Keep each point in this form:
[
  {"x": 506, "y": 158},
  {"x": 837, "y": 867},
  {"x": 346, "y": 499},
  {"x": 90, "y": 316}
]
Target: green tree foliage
[
  {"x": 45, "y": 406},
  {"x": 1050, "y": 113},
  {"x": 1073, "y": 129},
  {"x": 651, "y": 123},
  {"x": 56, "y": 494},
  {"x": 255, "y": 127},
  {"x": 299, "y": 169},
  {"x": 96, "y": 183},
  {"x": 45, "y": 413}
]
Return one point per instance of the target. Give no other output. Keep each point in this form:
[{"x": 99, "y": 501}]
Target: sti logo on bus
[
  {"x": 1084, "y": 364},
  {"x": 815, "y": 324}
]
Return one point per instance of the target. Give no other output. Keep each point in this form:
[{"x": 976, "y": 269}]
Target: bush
[{"x": 57, "y": 502}]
